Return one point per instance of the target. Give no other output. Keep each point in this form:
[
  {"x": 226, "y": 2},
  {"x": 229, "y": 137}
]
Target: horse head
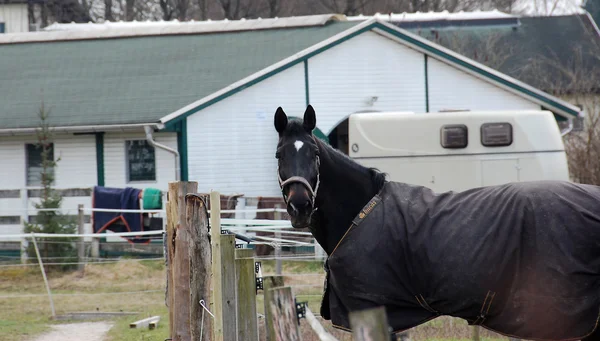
[{"x": 298, "y": 165}]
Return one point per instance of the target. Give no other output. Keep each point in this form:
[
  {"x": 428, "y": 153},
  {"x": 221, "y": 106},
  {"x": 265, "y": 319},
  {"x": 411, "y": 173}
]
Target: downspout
[
  {"x": 155, "y": 144},
  {"x": 568, "y": 129}
]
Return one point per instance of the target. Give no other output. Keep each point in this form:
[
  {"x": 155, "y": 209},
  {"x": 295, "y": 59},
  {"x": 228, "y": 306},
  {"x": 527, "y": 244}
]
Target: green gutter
[
  {"x": 100, "y": 158},
  {"x": 306, "y": 82},
  {"x": 182, "y": 148},
  {"x": 426, "y": 85}
]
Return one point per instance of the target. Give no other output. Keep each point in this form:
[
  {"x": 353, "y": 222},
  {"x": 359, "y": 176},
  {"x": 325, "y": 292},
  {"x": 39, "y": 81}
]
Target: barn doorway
[{"x": 338, "y": 137}]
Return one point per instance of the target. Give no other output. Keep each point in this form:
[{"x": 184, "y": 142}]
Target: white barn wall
[
  {"x": 14, "y": 17},
  {"x": 76, "y": 169},
  {"x": 115, "y": 166},
  {"x": 12, "y": 177},
  {"x": 231, "y": 144},
  {"x": 344, "y": 77},
  {"x": 12, "y": 154},
  {"x": 451, "y": 88}
]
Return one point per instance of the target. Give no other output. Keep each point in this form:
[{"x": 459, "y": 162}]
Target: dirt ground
[{"x": 89, "y": 331}]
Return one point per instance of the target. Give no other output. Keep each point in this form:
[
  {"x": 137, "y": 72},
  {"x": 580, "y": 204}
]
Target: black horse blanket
[{"x": 522, "y": 259}]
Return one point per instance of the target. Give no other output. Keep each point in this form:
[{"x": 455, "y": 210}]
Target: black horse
[{"x": 521, "y": 259}]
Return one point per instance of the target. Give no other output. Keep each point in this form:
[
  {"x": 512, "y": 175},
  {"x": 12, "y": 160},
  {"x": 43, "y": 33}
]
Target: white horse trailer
[{"x": 460, "y": 150}]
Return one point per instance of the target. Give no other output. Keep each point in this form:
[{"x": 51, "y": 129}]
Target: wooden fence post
[
  {"x": 369, "y": 324},
  {"x": 245, "y": 280},
  {"x": 475, "y": 334},
  {"x": 200, "y": 258},
  {"x": 270, "y": 282},
  {"x": 80, "y": 241},
  {"x": 178, "y": 260},
  {"x": 228, "y": 288},
  {"x": 215, "y": 237},
  {"x": 277, "y": 216},
  {"x": 223, "y": 272},
  {"x": 283, "y": 314}
]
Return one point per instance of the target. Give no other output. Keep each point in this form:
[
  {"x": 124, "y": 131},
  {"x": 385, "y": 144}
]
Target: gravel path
[{"x": 88, "y": 331}]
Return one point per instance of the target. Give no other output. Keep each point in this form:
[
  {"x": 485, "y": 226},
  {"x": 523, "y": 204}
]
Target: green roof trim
[
  {"x": 306, "y": 87},
  {"x": 182, "y": 148},
  {"x": 100, "y": 158},
  {"x": 552, "y": 46},
  {"x": 427, "y": 47},
  {"x": 430, "y": 48},
  {"x": 426, "y": 85},
  {"x": 268, "y": 74}
]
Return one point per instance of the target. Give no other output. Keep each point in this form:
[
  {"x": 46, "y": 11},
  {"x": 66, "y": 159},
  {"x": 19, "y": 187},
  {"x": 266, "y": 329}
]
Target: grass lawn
[{"x": 104, "y": 287}]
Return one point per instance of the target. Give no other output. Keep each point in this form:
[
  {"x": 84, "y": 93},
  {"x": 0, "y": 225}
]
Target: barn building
[{"x": 205, "y": 92}]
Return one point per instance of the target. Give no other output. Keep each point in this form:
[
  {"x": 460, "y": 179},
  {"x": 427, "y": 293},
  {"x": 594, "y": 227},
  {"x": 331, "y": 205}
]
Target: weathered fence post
[
  {"x": 283, "y": 316},
  {"x": 277, "y": 216},
  {"x": 247, "y": 320},
  {"x": 80, "y": 241},
  {"x": 215, "y": 237},
  {"x": 223, "y": 270},
  {"x": 200, "y": 258},
  {"x": 270, "y": 282},
  {"x": 178, "y": 261},
  {"x": 317, "y": 327},
  {"x": 476, "y": 333},
  {"x": 228, "y": 288},
  {"x": 370, "y": 324}
]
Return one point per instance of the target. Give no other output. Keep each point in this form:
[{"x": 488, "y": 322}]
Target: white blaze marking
[{"x": 298, "y": 145}]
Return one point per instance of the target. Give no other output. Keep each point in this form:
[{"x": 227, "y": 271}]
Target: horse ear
[
  {"x": 310, "y": 119},
  {"x": 281, "y": 120}
]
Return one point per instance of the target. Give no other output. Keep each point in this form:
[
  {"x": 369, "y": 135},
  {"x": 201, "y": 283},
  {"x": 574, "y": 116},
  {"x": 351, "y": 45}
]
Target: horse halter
[{"x": 303, "y": 181}]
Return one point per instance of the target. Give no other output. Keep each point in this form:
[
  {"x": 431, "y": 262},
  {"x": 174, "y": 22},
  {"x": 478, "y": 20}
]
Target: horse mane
[{"x": 377, "y": 177}]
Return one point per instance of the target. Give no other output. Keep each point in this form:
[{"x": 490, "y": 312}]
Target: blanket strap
[
  {"x": 424, "y": 304},
  {"x": 485, "y": 308}
]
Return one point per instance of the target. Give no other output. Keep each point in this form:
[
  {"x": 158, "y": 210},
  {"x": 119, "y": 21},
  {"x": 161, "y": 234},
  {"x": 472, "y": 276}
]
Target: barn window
[
  {"x": 141, "y": 161},
  {"x": 34, "y": 163},
  {"x": 496, "y": 134},
  {"x": 454, "y": 136}
]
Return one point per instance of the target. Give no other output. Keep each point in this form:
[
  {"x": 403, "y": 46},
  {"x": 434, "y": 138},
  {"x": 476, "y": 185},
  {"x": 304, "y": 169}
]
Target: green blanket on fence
[{"x": 152, "y": 199}]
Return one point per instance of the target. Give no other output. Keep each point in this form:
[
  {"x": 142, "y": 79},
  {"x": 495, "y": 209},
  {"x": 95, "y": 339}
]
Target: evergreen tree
[{"x": 52, "y": 250}]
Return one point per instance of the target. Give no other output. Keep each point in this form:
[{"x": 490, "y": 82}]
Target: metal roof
[{"x": 137, "y": 79}]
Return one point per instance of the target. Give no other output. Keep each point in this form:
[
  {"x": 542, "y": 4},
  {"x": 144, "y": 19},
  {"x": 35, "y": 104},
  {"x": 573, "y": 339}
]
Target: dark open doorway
[{"x": 338, "y": 138}]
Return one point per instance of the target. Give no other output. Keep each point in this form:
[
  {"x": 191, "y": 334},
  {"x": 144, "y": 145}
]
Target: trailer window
[
  {"x": 496, "y": 134},
  {"x": 454, "y": 136}
]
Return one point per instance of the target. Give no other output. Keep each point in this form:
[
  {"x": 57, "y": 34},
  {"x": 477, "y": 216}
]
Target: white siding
[
  {"x": 12, "y": 154},
  {"x": 115, "y": 166},
  {"x": 76, "y": 169},
  {"x": 344, "y": 77},
  {"x": 231, "y": 144},
  {"x": 450, "y": 88},
  {"x": 14, "y": 17},
  {"x": 77, "y": 165}
]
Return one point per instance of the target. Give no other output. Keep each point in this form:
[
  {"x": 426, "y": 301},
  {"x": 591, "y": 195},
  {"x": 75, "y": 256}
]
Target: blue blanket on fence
[{"x": 118, "y": 198}]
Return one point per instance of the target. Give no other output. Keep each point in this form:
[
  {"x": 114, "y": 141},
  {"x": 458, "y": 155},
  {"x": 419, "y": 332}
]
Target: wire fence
[{"x": 116, "y": 274}]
